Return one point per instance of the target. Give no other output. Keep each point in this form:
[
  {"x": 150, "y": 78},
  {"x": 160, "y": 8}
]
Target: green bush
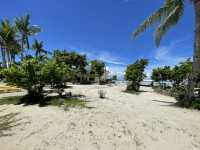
[
  {"x": 27, "y": 75},
  {"x": 196, "y": 104},
  {"x": 56, "y": 74},
  {"x": 181, "y": 96},
  {"x": 34, "y": 74}
]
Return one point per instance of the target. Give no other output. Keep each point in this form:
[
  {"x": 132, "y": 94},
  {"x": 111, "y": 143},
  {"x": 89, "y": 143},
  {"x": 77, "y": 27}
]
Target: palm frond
[
  {"x": 171, "y": 20},
  {"x": 34, "y": 30},
  {"x": 156, "y": 17},
  {"x": 168, "y": 15}
]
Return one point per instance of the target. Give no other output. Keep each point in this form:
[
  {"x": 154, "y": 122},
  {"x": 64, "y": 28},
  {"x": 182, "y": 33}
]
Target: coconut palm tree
[
  {"x": 8, "y": 42},
  {"x": 167, "y": 16},
  {"x": 38, "y": 47},
  {"x": 25, "y": 30}
]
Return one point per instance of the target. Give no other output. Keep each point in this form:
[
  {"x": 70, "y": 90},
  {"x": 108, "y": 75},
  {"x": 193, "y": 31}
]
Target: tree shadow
[
  {"x": 163, "y": 101},
  {"x": 44, "y": 101},
  {"x": 167, "y": 103},
  {"x": 134, "y": 92},
  {"x": 8, "y": 122}
]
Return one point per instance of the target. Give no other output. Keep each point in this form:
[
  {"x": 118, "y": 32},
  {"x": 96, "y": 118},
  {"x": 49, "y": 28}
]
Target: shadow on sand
[
  {"x": 8, "y": 121},
  {"x": 167, "y": 103}
]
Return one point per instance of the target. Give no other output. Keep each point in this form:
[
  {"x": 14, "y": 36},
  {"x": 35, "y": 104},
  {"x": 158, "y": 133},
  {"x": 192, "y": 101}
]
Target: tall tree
[
  {"x": 2, "y": 44},
  {"x": 98, "y": 68},
  {"x": 9, "y": 43},
  {"x": 25, "y": 30},
  {"x": 167, "y": 16},
  {"x": 38, "y": 47},
  {"x": 135, "y": 74}
]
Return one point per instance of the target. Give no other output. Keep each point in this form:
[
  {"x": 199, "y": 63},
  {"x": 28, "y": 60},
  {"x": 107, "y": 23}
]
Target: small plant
[{"x": 102, "y": 94}]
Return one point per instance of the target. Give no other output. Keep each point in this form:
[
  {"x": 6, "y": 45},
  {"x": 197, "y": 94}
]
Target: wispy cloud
[
  {"x": 167, "y": 55},
  {"x": 110, "y": 58}
]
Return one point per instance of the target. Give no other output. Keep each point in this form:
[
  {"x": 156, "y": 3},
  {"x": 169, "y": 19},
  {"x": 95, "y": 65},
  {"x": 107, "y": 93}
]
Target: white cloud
[
  {"x": 108, "y": 58},
  {"x": 165, "y": 56}
]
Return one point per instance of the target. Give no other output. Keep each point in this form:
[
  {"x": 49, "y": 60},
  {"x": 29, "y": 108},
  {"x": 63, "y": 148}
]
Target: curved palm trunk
[{"x": 196, "y": 57}]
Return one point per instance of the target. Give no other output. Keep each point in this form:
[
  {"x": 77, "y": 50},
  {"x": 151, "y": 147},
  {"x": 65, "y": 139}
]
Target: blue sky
[{"x": 102, "y": 29}]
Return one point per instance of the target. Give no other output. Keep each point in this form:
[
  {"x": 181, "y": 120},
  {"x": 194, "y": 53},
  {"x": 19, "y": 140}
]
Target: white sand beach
[{"x": 121, "y": 121}]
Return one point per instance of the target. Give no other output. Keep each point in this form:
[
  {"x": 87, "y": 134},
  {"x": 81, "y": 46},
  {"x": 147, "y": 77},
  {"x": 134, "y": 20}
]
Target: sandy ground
[{"x": 122, "y": 121}]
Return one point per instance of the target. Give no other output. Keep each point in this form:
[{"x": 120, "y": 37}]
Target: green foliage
[
  {"x": 10, "y": 100},
  {"x": 55, "y": 74},
  {"x": 176, "y": 75},
  {"x": 27, "y": 75},
  {"x": 34, "y": 73},
  {"x": 162, "y": 74},
  {"x": 181, "y": 96},
  {"x": 72, "y": 59},
  {"x": 181, "y": 72},
  {"x": 25, "y": 29},
  {"x": 97, "y": 68},
  {"x": 38, "y": 47},
  {"x": 76, "y": 62},
  {"x": 196, "y": 104},
  {"x": 135, "y": 74},
  {"x": 114, "y": 77}
]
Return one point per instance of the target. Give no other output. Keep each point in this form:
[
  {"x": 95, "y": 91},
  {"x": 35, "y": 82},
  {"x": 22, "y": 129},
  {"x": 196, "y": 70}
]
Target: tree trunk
[
  {"x": 196, "y": 57},
  {"x": 8, "y": 58},
  {"x": 3, "y": 57},
  {"x": 13, "y": 58},
  {"x": 22, "y": 50}
]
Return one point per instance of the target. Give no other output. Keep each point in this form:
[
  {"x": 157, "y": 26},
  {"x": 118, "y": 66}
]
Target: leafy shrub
[
  {"x": 27, "y": 75},
  {"x": 34, "y": 74},
  {"x": 56, "y": 74},
  {"x": 102, "y": 94},
  {"x": 196, "y": 104},
  {"x": 181, "y": 96}
]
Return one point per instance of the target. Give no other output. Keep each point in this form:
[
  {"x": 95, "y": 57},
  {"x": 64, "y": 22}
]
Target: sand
[{"x": 121, "y": 121}]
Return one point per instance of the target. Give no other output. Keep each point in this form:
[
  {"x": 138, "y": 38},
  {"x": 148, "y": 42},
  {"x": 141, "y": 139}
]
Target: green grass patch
[
  {"x": 10, "y": 100},
  {"x": 52, "y": 101},
  {"x": 67, "y": 102}
]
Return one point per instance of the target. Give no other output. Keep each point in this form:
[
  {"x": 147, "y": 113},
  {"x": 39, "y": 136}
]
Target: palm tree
[
  {"x": 25, "y": 30},
  {"x": 167, "y": 16},
  {"x": 38, "y": 47},
  {"x": 8, "y": 42}
]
